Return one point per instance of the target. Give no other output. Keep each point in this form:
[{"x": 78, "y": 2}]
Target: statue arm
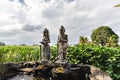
[
  {"x": 66, "y": 38},
  {"x": 45, "y": 40},
  {"x": 48, "y": 41},
  {"x": 58, "y": 40}
]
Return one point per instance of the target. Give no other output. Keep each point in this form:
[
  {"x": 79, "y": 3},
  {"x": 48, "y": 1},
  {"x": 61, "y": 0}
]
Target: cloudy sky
[{"x": 22, "y": 21}]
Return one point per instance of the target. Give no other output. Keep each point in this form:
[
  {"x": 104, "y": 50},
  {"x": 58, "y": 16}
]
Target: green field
[
  {"x": 19, "y": 53},
  {"x": 105, "y": 58}
]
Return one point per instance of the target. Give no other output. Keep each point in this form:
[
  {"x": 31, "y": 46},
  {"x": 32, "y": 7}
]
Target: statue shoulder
[{"x": 66, "y": 35}]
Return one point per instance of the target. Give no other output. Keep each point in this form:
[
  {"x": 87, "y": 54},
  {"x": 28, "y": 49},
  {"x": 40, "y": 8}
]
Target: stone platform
[{"x": 59, "y": 72}]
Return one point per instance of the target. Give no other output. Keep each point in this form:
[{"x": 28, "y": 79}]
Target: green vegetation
[
  {"x": 83, "y": 40},
  {"x": 19, "y": 53},
  {"x": 105, "y": 58},
  {"x": 104, "y": 36}
]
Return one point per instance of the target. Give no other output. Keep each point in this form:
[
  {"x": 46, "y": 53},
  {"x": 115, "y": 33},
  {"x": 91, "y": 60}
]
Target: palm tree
[
  {"x": 118, "y": 5},
  {"x": 112, "y": 42},
  {"x": 83, "y": 40}
]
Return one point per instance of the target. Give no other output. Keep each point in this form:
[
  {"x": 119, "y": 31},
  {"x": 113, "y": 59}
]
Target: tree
[
  {"x": 102, "y": 36},
  {"x": 2, "y": 44},
  {"x": 112, "y": 41},
  {"x": 23, "y": 44},
  {"x": 118, "y": 5},
  {"x": 83, "y": 40}
]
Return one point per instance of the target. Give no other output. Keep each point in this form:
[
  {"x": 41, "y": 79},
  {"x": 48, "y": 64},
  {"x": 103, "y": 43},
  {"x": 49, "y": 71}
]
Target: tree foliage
[
  {"x": 104, "y": 35},
  {"x": 118, "y": 5},
  {"x": 83, "y": 40},
  {"x": 2, "y": 44}
]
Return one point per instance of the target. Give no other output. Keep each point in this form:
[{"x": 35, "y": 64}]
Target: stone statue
[
  {"x": 45, "y": 55},
  {"x": 62, "y": 44}
]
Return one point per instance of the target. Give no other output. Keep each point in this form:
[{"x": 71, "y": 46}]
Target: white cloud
[{"x": 79, "y": 17}]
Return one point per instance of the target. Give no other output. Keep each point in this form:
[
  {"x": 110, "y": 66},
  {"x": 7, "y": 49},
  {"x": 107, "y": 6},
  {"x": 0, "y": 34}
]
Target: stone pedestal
[
  {"x": 44, "y": 63},
  {"x": 63, "y": 71},
  {"x": 60, "y": 63}
]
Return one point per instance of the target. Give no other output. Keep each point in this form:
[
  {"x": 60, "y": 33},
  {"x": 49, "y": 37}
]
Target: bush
[{"x": 105, "y": 58}]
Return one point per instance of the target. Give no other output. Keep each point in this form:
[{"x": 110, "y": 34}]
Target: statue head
[
  {"x": 62, "y": 30},
  {"x": 46, "y": 32}
]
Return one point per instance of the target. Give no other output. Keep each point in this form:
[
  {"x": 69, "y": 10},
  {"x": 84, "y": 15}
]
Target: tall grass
[{"x": 19, "y": 53}]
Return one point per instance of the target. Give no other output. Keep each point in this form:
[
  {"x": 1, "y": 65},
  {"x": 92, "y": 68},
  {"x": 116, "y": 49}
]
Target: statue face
[{"x": 61, "y": 32}]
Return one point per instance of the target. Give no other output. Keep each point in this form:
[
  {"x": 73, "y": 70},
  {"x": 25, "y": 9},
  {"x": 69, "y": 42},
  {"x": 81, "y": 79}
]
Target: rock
[
  {"x": 97, "y": 74},
  {"x": 11, "y": 69},
  {"x": 61, "y": 63},
  {"x": 43, "y": 70},
  {"x": 13, "y": 65},
  {"x": 27, "y": 69},
  {"x": 45, "y": 63},
  {"x": 8, "y": 73},
  {"x": 30, "y": 64},
  {"x": 58, "y": 71},
  {"x": 93, "y": 73},
  {"x": 81, "y": 72}
]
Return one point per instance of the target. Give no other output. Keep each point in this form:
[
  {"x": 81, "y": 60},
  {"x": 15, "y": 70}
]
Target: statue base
[
  {"x": 61, "y": 63},
  {"x": 44, "y": 63},
  {"x": 74, "y": 72}
]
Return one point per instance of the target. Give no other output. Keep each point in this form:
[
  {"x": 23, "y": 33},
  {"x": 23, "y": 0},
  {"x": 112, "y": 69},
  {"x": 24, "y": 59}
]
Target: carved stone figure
[
  {"x": 45, "y": 55},
  {"x": 62, "y": 44}
]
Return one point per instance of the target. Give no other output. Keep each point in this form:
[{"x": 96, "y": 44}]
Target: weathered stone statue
[
  {"x": 45, "y": 54},
  {"x": 62, "y": 44}
]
